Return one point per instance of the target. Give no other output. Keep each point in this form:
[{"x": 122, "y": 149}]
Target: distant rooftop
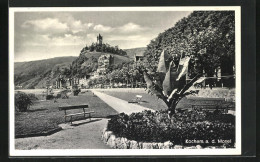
[{"x": 139, "y": 54}]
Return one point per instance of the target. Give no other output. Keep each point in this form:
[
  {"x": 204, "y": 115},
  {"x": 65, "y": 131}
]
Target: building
[
  {"x": 222, "y": 77},
  {"x": 99, "y": 39},
  {"x": 104, "y": 61},
  {"x": 63, "y": 82},
  {"x": 138, "y": 58}
]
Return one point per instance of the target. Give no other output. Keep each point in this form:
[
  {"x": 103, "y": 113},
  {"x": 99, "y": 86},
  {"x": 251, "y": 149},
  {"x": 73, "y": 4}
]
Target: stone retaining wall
[{"x": 123, "y": 143}]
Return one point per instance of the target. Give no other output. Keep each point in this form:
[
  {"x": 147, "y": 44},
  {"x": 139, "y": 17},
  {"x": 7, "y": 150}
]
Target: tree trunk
[
  {"x": 171, "y": 108},
  {"x": 171, "y": 111}
]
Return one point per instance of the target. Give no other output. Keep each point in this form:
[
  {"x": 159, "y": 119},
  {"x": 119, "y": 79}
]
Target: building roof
[{"x": 139, "y": 54}]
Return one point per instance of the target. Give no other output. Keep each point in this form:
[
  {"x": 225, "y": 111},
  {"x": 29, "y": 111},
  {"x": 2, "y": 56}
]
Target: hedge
[{"x": 150, "y": 126}]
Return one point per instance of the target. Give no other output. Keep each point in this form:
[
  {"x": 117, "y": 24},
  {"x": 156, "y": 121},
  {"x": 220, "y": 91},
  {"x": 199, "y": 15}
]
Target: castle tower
[{"x": 99, "y": 39}]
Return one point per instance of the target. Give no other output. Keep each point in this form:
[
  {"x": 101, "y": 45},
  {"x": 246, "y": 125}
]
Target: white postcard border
[{"x": 124, "y": 152}]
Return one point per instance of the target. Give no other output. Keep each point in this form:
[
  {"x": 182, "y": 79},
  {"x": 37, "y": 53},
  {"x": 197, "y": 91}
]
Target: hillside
[
  {"x": 131, "y": 52},
  {"x": 33, "y": 74},
  {"x": 117, "y": 58},
  {"x": 87, "y": 62}
]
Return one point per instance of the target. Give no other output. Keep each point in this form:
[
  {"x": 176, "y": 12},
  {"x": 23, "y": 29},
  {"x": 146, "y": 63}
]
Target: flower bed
[{"x": 186, "y": 129}]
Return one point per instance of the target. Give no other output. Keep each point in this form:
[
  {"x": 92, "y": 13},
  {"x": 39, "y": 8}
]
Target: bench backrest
[
  {"x": 216, "y": 101},
  {"x": 70, "y": 107},
  {"x": 206, "y": 99}
]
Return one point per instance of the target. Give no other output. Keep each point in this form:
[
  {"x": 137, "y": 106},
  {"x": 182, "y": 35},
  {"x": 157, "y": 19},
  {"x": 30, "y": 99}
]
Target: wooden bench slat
[
  {"x": 206, "y": 99},
  {"x": 89, "y": 112},
  {"x": 80, "y": 113},
  {"x": 69, "y": 107},
  {"x": 204, "y": 105}
]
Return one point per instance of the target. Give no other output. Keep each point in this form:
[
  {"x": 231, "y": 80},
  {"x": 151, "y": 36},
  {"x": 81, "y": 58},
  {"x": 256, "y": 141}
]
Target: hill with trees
[
  {"x": 87, "y": 63},
  {"x": 207, "y": 36},
  {"x": 34, "y": 74},
  {"x": 104, "y": 48},
  {"x": 131, "y": 52}
]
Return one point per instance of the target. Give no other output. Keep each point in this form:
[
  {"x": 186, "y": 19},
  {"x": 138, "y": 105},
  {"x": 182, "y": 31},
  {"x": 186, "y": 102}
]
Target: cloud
[
  {"x": 102, "y": 28},
  {"x": 131, "y": 40},
  {"x": 69, "y": 32},
  {"x": 68, "y": 40},
  {"x": 56, "y": 27},
  {"x": 126, "y": 28},
  {"x": 130, "y": 27},
  {"x": 90, "y": 38},
  {"x": 77, "y": 26},
  {"x": 124, "y": 37},
  {"x": 90, "y": 24},
  {"x": 46, "y": 25},
  {"x": 50, "y": 41},
  {"x": 52, "y": 32}
]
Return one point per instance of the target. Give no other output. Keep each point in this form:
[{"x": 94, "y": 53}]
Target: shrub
[
  {"x": 22, "y": 101},
  {"x": 64, "y": 94},
  {"x": 49, "y": 97},
  {"x": 32, "y": 96},
  {"x": 150, "y": 126},
  {"x": 76, "y": 92},
  {"x": 58, "y": 95}
]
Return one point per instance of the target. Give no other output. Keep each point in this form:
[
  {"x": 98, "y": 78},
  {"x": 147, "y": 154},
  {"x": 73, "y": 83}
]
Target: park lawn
[
  {"x": 43, "y": 116},
  {"x": 151, "y": 101}
]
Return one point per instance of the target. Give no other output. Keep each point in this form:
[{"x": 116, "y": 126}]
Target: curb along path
[{"x": 120, "y": 105}]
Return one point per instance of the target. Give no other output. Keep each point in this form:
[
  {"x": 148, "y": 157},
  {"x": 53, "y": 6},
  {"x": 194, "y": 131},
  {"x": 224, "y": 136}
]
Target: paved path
[
  {"x": 83, "y": 135},
  {"x": 118, "y": 104}
]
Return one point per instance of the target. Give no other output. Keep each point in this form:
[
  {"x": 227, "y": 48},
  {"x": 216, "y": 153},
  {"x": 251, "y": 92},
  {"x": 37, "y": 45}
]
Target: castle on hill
[{"x": 99, "y": 39}]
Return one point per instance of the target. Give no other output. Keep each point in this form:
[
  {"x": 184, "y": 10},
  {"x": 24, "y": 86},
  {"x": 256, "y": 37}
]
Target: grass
[
  {"x": 147, "y": 100},
  {"x": 44, "y": 115},
  {"x": 151, "y": 101}
]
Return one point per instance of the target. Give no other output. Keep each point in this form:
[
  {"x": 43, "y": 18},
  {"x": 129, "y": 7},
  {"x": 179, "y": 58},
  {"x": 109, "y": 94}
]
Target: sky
[{"x": 43, "y": 35}]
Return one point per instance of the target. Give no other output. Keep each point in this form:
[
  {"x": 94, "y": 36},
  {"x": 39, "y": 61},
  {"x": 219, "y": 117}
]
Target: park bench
[
  {"x": 75, "y": 107},
  {"x": 137, "y": 99},
  {"x": 211, "y": 104}
]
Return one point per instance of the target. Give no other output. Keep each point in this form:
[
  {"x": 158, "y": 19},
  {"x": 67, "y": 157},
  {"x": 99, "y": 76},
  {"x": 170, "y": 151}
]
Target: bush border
[{"x": 110, "y": 139}]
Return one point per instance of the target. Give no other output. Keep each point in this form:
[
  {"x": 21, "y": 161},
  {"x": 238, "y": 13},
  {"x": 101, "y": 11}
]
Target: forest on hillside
[
  {"x": 87, "y": 61},
  {"x": 207, "y": 36},
  {"x": 104, "y": 48},
  {"x": 35, "y": 74}
]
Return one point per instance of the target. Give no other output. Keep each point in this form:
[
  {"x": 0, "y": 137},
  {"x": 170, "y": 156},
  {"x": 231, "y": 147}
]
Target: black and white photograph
[{"x": 106, "y": 81}]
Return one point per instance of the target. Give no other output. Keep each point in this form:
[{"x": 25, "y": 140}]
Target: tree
[
  {"x": 207, "y": 36},
  {"x": 170, "y": 85},
  {"x": 205, "y": 39},
  {"x": 92, "y": 47}
]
